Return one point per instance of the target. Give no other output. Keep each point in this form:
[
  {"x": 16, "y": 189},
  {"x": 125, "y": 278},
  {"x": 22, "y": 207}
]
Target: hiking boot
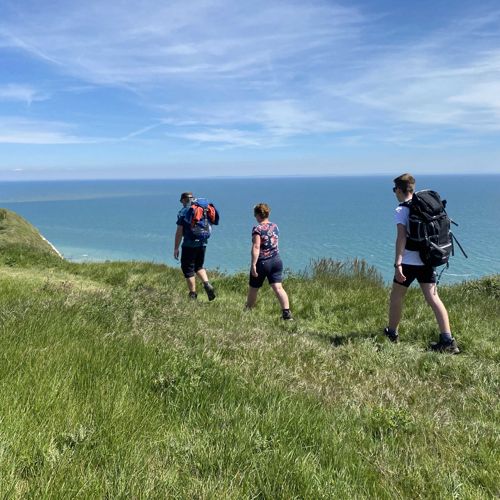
[
  {"x": 287, "y": 315},
  {"x": 392, "y": 336},
  {"x": 210, "y": 291},
  {"x": 449, "y": 347},
  {"x": 193, "y": 295}
]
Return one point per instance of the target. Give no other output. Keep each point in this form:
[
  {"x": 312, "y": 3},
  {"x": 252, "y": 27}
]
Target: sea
[{"x": 340, "y": 218}]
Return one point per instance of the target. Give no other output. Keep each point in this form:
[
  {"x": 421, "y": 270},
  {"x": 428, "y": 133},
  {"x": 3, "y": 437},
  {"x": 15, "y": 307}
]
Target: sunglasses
[{"x": 394, "y": 189}]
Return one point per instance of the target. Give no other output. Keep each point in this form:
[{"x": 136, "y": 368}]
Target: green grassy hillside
[
  {"x": 22, "y": 241},
  {"x": 114, "y": 385}
]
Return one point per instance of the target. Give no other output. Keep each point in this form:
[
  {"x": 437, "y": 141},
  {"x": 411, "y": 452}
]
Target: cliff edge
[{"x": 17, "y": 232}]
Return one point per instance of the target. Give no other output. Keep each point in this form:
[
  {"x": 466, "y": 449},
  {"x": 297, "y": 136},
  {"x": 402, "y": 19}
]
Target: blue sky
[{"x": 121, "y": 89}]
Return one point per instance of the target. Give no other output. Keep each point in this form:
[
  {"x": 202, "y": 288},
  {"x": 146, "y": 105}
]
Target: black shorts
[
  {"x": 423, "y": 274},
  {"x": 192, "y": 260},
  {"x": 272, "y": 269}
]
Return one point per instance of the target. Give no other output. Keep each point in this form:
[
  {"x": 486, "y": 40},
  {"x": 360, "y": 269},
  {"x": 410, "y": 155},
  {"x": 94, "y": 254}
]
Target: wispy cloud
[
  {"x": 227, "y": 75},
  {"x": 14, "y": 130},
  {"x": 23, "y": 93},
  {"x": 153, "y": 42},
  {"x": 464, "y": 97},
  {"x": 447, "y": 81},
  {"x": 141, "y": 131},
  {"x": 223, "y": 138},
  {"x": 251, "y": 124}
]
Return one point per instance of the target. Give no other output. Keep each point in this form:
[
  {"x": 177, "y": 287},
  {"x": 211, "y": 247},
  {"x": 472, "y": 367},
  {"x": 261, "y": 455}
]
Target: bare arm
[
  {"x": 178, "y": 239},
  {"x": 400, "y": 247},
  {"x": 254, "y": 254}
]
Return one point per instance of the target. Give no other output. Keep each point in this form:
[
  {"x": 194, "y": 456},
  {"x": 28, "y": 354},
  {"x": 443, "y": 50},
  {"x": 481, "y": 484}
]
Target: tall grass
[
  {"x": 114, "y": 385},
  {"x": 349, "y": 271}
]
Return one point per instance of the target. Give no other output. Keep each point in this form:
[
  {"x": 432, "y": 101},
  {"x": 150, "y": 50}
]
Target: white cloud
[
  {"x": 14, "y": 130},
  {"x": 111, "y": 43},
  {"x": 258, "y": 124},
  {"x": 223, "y": 138},
  {"x": 287, "y": 118},
  {"x": 23, "y": 93},
  {"x": 481, "y": 95},
  {"x": 257, "y": 75},
  {"x": 420, "y": 85}
]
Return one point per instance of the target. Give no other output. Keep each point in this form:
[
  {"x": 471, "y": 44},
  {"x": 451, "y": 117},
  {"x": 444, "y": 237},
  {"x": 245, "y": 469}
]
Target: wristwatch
[{"x": 397, "y": 265}]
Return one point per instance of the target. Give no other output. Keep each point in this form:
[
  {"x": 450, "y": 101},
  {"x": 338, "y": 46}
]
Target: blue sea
[{"x": 335, "y": 217}]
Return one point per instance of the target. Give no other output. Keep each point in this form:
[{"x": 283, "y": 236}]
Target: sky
[{"x": 202, "y": 88}]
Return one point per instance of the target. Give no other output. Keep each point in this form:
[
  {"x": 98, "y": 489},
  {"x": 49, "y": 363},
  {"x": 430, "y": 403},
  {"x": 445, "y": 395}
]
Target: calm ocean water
[{"x": 336, "y": 217}]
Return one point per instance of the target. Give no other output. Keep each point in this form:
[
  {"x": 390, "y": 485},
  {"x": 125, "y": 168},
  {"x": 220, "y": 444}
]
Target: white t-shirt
[{"x": 410, "y": 257}]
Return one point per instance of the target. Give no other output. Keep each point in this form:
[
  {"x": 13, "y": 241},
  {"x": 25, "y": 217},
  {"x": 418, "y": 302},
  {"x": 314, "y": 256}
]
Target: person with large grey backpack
[
  {"x": 424, "y": 241},
  {"x": 429, "y": 229}
]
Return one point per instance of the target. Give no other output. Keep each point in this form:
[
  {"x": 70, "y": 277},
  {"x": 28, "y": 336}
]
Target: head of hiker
[
  {"x": 186, "y": 198},
  {"x": 261, "y": 211}
]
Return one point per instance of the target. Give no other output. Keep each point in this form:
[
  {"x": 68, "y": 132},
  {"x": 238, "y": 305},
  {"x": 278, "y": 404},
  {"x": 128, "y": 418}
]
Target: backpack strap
[
  {"x": 410, "y": 244},
  {"x": 439, "y": 277},
  {"x": 454, "y": 239}
]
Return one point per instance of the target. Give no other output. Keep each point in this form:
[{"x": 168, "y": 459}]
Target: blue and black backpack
[{"x": 200, "y": 217}]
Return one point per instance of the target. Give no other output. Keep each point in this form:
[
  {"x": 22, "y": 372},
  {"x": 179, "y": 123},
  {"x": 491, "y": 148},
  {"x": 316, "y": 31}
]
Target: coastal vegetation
[{"x": 114, "y": 385}]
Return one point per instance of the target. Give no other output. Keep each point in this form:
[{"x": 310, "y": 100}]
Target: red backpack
[{"x": 201, "y": 215}]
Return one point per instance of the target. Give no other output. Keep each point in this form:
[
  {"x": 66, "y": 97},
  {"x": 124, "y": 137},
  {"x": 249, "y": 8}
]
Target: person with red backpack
[
  {"x": 408, "y": 263},
  {"x": 194, "y": 227}
]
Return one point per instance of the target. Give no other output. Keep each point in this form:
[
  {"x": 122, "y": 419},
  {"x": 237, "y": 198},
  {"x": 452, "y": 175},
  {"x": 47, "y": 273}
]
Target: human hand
[
  {"x": 176, "y": 254},
  {"x": 253, "y": 271},
  {"x": 399, "y": 276}
]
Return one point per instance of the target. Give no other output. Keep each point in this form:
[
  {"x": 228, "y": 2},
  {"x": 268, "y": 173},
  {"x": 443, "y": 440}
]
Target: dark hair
[
  {"x": 262, "y": 210},
  {"x": 405, "y": 182},
  {"x": 186, "y": 196}
]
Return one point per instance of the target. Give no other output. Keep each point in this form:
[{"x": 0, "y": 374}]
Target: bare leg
[
  {"x": 432, "y": 298},
  {"x": 398, "y": 293},
  {"x": 202, "y": 274},
  {"x": 191, "y": 283},
  {"x": 252, "y": 297},
  {"x": 281, "y": 295}
]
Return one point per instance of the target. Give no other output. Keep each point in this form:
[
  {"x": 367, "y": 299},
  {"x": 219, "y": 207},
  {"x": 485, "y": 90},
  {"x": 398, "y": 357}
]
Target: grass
[
  {"x": 19, "y": 233},
  {"x": 114, "y": 385}
]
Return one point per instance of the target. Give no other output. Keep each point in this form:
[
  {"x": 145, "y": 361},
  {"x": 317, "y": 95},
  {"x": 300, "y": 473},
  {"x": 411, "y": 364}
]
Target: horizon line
[{"x": 237, "y": 177}]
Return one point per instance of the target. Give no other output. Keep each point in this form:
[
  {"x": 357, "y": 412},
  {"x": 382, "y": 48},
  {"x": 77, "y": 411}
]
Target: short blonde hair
[
  {"x": 405, "y": 182},
  {"x": 262, "y": 210}
]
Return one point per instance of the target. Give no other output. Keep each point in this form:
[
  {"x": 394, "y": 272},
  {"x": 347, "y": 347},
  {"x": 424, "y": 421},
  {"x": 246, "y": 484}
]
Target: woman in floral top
[{"x": 266, "y": 261}]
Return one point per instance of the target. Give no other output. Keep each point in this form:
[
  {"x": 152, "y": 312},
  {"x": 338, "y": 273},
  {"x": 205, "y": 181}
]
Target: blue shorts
[
  {"x": 272, "y": 269},
  {"x": 423, "y": 274}
]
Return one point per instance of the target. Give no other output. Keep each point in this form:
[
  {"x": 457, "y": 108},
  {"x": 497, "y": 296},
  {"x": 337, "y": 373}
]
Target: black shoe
[
  {"x": 210, "y": 291},
  {"x": 193, "y": 295},
  {"x": 287, "y": 315},
  {"x": 392, "y": 336},
  {"x": 449, "y": 347}
]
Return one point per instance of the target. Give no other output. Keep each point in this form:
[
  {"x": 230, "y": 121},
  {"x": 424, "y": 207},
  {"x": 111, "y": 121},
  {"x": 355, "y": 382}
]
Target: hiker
[
  {"x": 266, "y": 261},
  {"x": 193, "y": 247},
  {"x": 409, "y": 266}
]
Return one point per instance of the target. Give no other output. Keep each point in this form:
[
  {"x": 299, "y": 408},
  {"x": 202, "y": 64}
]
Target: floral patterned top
[{"x": 269, "y": 234}]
